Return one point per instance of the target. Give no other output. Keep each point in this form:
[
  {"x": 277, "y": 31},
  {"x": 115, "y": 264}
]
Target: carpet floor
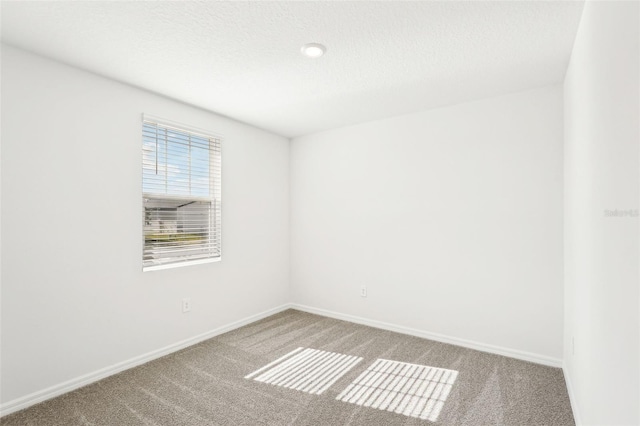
[{"x": 306, "y": 369}]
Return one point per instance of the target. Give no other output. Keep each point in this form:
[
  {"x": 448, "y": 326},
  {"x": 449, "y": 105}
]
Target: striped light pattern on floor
[
  {"x": 307, "y": 370},
  {"x": 410, "y": 389}
]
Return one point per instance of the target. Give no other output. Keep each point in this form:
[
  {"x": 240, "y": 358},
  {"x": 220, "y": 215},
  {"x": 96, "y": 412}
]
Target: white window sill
[{"x": 180, "y": 264}]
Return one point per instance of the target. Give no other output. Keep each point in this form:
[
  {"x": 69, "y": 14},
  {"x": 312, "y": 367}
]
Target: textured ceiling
[{"x": 242, "y": 59}]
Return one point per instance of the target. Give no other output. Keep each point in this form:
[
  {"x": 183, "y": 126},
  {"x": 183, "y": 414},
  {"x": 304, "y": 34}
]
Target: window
[{"x": 181, "y": 208}]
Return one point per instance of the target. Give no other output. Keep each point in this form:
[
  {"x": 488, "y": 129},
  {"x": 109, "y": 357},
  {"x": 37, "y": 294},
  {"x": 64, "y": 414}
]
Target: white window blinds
[{"x": 181, "y": 215}]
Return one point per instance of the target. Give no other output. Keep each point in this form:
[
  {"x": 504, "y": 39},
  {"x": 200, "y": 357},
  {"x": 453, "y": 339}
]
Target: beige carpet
[{"x": 298, "y": 365}]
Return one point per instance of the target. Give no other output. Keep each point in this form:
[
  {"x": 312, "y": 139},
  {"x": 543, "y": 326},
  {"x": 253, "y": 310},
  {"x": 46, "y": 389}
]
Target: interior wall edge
[{"x": 572, "y": 395}]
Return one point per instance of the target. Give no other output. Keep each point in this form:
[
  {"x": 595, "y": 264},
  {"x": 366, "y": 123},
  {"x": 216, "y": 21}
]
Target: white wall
[
  {"x": 452, "y": 218},
  {"x": 601, "y": 173},
  {"x": 74, "y": 297}
]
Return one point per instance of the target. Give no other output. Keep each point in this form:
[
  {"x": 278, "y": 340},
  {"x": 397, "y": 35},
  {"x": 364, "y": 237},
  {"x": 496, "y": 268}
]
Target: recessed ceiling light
[{"x": 313, "y": 50}]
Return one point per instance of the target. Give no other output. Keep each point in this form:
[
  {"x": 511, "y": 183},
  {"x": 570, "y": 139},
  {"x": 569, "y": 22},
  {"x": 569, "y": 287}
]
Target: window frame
[{"x": 215, "y": 198}]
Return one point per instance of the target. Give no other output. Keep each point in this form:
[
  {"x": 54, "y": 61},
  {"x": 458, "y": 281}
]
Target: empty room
[{"x": 320, "y": 213}]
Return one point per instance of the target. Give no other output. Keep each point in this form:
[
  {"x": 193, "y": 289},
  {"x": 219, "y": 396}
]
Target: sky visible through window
[{"x": 174, "y": 162}]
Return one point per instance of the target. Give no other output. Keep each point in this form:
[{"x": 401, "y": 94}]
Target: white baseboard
[
  {"x": 572, "y": 396},
  {"x": 78, "y": 382},
  {"x": 498, "y": 350}
]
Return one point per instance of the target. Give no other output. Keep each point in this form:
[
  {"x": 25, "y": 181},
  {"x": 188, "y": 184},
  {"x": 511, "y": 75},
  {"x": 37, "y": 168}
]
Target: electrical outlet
[
  {"x": 186, "y": 305},
  {"x": 363, "y": 291}
]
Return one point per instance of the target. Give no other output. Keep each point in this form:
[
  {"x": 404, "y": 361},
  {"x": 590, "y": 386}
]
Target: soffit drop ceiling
[{"x": 242, "y": 59}]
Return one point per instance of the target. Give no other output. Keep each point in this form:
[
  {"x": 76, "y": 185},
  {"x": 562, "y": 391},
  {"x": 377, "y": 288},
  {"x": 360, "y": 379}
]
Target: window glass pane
[
  {"x": 181, "y": 201},
  {"x": 175, "y": 163},
  {"x": 177, "y": 229}
]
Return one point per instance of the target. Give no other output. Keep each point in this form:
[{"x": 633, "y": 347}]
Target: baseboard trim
[
  {"x": 572, "y": 396},
  {"x": 498, "y": 350},
  {"x": 84, "y": 380},
  {"x": 78, "y": 382}
]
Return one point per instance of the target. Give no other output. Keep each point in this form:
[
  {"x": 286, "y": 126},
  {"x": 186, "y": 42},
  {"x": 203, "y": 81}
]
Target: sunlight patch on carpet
[
  {"x": 413, "y": 390},
  {"x": 307, "y": 370}
]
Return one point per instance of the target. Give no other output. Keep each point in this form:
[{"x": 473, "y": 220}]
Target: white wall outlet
[
  {"x": 186, "y": 305},
  {"x": 363, "y": 291}
]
